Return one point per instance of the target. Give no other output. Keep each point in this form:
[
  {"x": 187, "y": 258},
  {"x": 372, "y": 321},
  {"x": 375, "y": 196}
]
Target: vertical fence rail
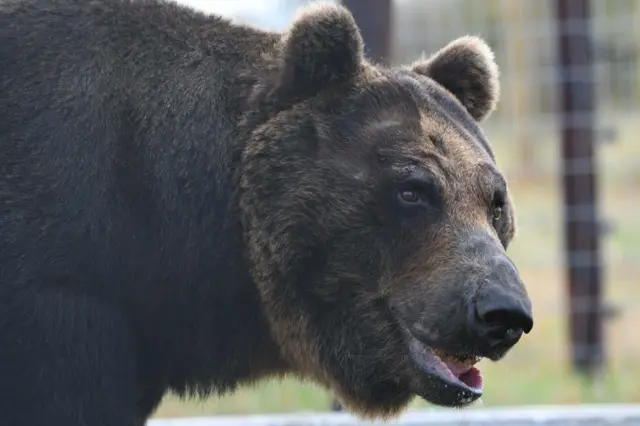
[
  {"x": 576, "y": 79},
  {"x": 374, "y": 19}
]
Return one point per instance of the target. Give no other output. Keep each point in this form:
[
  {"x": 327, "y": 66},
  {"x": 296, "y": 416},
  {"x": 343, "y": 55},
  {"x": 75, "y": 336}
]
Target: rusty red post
[
  {"x": 374, "y": 19},
  {"x": 581, "y": 224}
]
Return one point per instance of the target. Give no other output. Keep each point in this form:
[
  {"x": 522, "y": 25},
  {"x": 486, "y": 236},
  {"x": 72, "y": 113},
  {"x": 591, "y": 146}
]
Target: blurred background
[{"x": 566, "y": 135}]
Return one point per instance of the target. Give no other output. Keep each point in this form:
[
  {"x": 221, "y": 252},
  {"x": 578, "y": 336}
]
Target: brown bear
[{"x": 188, "y": 204}]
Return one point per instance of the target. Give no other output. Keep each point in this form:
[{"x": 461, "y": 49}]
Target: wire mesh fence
[
  {"x": 544, "y": 79},
  {"x": 564, "y": 129}
]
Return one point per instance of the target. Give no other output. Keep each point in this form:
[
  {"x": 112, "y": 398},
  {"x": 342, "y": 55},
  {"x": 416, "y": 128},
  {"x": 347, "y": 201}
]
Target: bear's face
[{"x": 377, "y": 219}]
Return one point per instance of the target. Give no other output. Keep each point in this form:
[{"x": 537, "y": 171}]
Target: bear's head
[{"x": 377, "y": 220}]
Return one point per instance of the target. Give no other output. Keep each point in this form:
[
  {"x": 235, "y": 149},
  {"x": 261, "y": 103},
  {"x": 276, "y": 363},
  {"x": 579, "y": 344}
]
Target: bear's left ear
[
  {"x": 465, "y": 67},
  {"x": 323, "y": 46}
]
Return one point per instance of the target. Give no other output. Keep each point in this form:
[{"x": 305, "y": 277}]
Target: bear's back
[{"x": 117, "y": 136}]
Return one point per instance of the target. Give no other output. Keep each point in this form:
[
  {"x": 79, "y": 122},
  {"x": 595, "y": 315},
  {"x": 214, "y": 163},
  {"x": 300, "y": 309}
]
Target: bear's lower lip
[{"x": 461, "y": 380}]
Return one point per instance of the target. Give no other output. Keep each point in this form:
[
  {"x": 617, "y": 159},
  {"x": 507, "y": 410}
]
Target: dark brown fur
[
  {"x": 188, "y": 204},
  {"x": 323, "y": 233}
]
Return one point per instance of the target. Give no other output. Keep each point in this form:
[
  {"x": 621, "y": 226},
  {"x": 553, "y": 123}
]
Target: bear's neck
[
  {"x": 222, "y": 336},
  {"x": 214, "y": 334}
]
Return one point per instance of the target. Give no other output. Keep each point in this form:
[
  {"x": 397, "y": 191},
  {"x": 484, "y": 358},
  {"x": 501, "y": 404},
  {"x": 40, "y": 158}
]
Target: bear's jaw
[{"x": 459, "y": 381}]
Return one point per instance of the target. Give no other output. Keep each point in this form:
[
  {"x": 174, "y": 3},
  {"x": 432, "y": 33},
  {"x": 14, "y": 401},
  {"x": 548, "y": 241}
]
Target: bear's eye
[
  {"x": 497, "y": 213},
  {"x": 409, "y": 196}
]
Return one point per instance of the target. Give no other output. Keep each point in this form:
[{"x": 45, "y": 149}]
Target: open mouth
[{"x": 457, "y": 375}]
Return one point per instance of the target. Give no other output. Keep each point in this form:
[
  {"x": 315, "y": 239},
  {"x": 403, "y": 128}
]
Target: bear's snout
[
  {"x": 500, "y": 314},
  {"x": 500, "y": 311}
]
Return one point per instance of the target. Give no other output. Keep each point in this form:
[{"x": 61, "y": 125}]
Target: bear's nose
[{"x": 501, "y": 315}]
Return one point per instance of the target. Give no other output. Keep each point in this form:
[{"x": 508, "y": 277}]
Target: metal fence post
[
  {"x": 582, "y": 229},
  {"x": 374, "y": 19}
]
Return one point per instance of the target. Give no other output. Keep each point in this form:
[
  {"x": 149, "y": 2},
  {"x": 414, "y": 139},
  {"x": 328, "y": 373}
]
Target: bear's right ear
[
  {"x": 466, "y": 67},
  {"x": 323, "y": 46}
]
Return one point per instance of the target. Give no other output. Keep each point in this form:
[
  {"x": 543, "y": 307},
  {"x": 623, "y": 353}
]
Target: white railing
[{"x": 579, "y": 415}]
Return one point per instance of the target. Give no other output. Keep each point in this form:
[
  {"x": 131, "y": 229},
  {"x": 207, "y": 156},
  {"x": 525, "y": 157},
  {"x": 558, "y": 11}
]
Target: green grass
[{"x": 537, "y": 371}]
